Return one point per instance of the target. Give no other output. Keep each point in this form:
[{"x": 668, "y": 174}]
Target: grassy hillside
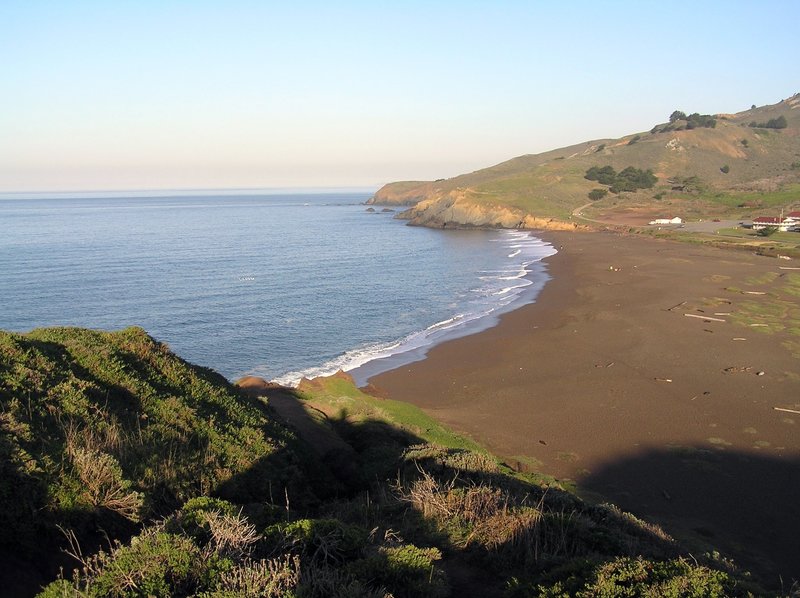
[
  {"x": 732, "y": 169},
  {"x": 199, "y": 491},
  {"x": 107, "y": 430}
]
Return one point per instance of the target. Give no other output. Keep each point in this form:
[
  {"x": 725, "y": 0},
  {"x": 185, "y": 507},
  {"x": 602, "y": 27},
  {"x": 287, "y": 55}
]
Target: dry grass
[
  {"x": 492, "y": 517},
  {"x": 103, "y": 484},
  {"x": 231, "y": 535},
  {"x": 270, "y": 578}
]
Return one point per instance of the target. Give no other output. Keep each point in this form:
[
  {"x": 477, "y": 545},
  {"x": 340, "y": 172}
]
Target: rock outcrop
[{"x": 456, "y": 210}]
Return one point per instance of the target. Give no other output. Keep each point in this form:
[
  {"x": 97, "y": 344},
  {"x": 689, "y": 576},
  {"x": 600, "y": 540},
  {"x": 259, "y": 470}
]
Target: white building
[{"x": 675, "y": 220}]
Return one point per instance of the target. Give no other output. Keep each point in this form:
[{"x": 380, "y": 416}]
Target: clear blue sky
[{"x": 192, "y": 94}]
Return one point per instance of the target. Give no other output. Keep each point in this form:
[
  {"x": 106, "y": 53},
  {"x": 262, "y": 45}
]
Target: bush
[
  {"x": 725, "y": 169},
  {"x": 634, "y": 139},
  {"x": 632, "y": 179},
  {"x": 318, "y": 541},
  {"x": 641, "y": 577},
  {"x": 767, "y": 231},
  {"x": 605, "y": 175},
  {"x": 772, "y": 123},
  {"x": 677, "y": 115},
  {"x": 407, "y": 570},
  {"x": 596, "y": 194},
  {"x": 777, "y": 123},
  {"x": 694, "y": 120}
]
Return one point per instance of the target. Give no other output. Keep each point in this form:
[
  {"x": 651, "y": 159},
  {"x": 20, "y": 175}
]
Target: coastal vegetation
[
  {"x": 772, "y": 123},
  {"x": 629, "y": 179},
  {"x": 201, "y": 490},
  {"x": 543, "y": 190}
]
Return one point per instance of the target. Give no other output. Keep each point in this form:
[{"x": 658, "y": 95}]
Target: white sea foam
[{"x": 488, "y": 300}]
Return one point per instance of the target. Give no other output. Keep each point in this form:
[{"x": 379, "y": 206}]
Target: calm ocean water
[{"x": 274, "y": 285}]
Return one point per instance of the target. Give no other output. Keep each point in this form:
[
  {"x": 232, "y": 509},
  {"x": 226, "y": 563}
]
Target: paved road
[{"x": 708, "y": 226}]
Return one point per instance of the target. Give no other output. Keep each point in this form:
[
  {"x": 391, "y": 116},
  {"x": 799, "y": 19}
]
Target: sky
[{"x": 199, "y": 94}]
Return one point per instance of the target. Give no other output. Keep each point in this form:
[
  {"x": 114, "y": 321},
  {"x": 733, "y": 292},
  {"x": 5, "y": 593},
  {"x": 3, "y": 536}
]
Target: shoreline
[
  {"x": 510, "y": 281},
  {"x": 604, "y": 381},
  {"x": 538, "y": 277}
]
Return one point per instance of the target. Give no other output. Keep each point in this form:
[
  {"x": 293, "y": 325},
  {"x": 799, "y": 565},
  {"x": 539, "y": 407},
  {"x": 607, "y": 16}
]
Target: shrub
[
  {"x": 725, "y": 169},
  {"x": 155, "y": 563},
  {"x": 772, "y": 123},
  {"x": 192, "y": 516},
  {"x": 407, "y": 570},
  {"x": 605, "y": 175},
  {"x": 677, "y": 115},
  {"x": 596, "y": 194},
  {"x": 317, "y": 541},
  {"x": 777, "y": 123},
  {"x": 634, "y": 139},
  {"x": 640, "y": 577},
  {"x": 630, "y": 179},
  {"x": 694, "y": 120}
]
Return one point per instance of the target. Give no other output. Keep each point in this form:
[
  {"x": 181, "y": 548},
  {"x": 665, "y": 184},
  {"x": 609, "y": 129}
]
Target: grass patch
[{"x": 338, "y": 396}]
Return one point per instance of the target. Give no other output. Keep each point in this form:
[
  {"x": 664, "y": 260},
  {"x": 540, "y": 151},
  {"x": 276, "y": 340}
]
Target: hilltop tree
[{"x": 677, "y": 115}]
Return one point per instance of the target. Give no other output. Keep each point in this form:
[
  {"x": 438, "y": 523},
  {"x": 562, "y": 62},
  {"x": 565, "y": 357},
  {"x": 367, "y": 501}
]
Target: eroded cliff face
[{"x": 457, "y": 210}]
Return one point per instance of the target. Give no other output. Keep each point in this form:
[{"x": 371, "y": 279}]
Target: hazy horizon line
[{"x": 178, "y": 191}]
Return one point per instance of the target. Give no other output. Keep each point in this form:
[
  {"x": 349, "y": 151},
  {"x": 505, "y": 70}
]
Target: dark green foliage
[
  {"x": 745, "y": 143},
  {"x": 156, "y": 564},
  {"x": 630, "y": 179},
  {"x": 772, "y": 123},
  {"x": 423, "y": 503},
  {"x": 318, "y": 540},
  {"x": 795, "y": 166},
  {"x": 105, "y": 429},
  {"x": 407, "y": 569},
  {"x": 725, "y": 169},
  {"x": 634, "y": 139},
  {"x": 677, "y": 115},
  {"x": 696, "y": 121},
  {"x": 600, "y": 147},
  {"x": 635, "y": 577},
  {"x": 693, "y": 121},
  {"x": 777, "y": 123},
  {"x": 767, "y": 231},
  {"x": 605, "y": 175},
  {"x": 596, "y": 194}
]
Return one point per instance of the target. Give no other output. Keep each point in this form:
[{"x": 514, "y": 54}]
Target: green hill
[
  {"x": 142, "y": 475},
  {"x": 738, "y": 167}
]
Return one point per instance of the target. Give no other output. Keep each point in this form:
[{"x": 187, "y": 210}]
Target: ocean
[{"x": 278, "y": 285}]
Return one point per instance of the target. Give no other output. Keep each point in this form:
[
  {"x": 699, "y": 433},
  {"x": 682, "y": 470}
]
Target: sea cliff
[{"x": 455, "y": 209}]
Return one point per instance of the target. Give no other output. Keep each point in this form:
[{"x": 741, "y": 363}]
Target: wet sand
[{"x": 606, "y": 382}]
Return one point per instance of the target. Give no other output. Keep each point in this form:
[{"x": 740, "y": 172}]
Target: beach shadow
[{"x": 743, "y": 504}]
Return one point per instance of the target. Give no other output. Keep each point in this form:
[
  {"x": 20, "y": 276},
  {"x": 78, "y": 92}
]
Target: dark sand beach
[{"x": 607, "y": 382}]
